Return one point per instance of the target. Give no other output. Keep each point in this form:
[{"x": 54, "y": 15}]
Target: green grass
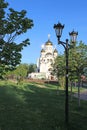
[{"x": 31, "y": 106}]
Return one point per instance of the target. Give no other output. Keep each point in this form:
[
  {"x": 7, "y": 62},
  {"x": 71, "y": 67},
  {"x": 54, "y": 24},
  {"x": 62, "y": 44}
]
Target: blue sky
[{"x": 46, "y": 13}]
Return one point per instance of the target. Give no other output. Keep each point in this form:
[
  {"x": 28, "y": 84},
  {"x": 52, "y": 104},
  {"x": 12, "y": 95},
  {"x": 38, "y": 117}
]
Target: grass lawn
[{"x": 31, "y": 106}]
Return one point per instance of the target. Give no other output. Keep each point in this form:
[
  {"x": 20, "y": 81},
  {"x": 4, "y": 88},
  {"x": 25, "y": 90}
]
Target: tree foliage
[
  {"x": 59, "y": 69},
  {"x": 59, "y": 66},
  {"x": 12, "y": 25},
  {"x": 22, "y": 70},
  {"x": 32, "y": 68},
  {"x": 77, "y": 62}
]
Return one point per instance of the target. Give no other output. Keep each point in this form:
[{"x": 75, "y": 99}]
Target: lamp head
[
  {"x": 58, "y": 29},
  {"x": 73, "y": 36}
]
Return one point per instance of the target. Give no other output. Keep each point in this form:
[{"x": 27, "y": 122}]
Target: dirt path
[{"x": 83, "y": 95}]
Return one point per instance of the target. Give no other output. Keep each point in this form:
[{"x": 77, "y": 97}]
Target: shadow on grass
[{"x": 33, "y": 107}]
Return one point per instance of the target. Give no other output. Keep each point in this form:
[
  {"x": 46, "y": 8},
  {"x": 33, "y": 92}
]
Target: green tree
[
  {"x": 12, "y": 25},
  {"x": 78, "y": 60},
  {"x": 77, "y": 63},
  {"x": 32, "y": 68},
  {"x": 22, "y": 70},
  {"x": 59, "y": 69}
]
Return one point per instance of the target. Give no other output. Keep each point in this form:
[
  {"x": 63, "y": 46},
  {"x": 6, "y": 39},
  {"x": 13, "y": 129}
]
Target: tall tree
[
  {"x": 78, "y": 62},
  {"x": 12, "y": 25}
]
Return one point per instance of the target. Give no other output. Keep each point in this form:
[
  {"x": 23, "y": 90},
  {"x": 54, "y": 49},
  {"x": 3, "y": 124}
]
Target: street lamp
[{"x": 58, "y": 29}]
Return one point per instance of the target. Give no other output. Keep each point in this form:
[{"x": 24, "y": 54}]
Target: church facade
[{"x": 47, "y": 55}]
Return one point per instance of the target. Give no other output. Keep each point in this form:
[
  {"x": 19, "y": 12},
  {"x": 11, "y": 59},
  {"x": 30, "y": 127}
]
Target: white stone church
[{"x": 44, "y": 63}]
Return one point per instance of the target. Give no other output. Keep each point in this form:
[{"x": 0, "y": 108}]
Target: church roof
[
  {"x": 55, "y": 51},
  {"x": 42, "y": 50},
  {"x": 48, "y": 43}
]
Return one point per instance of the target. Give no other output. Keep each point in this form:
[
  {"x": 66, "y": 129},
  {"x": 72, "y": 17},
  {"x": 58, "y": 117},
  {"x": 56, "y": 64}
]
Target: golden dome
[
  {"x": 48, "y": 43},
  {"x": 42, "y": 50}
]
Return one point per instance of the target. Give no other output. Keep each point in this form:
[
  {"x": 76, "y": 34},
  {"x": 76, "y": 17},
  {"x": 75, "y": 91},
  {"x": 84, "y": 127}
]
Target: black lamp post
[{"x": 58, "y": 29}]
